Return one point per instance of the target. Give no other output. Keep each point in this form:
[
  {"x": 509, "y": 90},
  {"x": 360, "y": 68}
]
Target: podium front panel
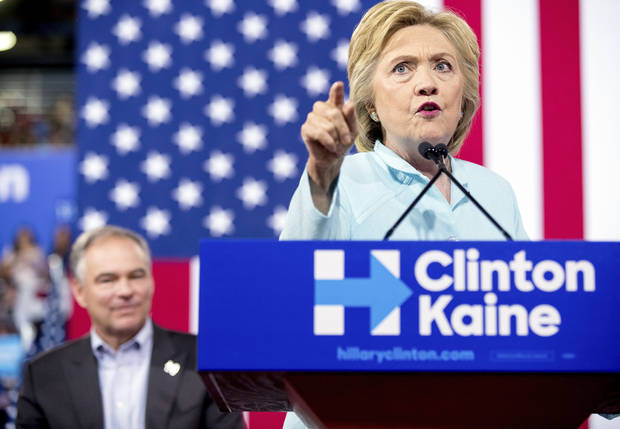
[{"x": 409, "y": 306}]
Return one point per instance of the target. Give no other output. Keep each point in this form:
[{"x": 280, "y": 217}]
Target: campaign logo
[
  {"x": 383, "y": 292},
  {"x": 458, "y": 293}
]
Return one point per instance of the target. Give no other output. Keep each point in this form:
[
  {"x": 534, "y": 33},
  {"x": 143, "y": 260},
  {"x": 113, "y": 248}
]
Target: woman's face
[{"x": 418, "y": 88}]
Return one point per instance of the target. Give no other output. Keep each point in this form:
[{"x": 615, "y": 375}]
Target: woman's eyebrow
[
  {"x": 442, "y": 55},
  {"x": 403, "y": 58},
  {"x": 415, "y": 58}
]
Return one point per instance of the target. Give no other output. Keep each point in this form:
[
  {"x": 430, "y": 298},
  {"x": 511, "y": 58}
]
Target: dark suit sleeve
[
  {"x": 29, "y": 413},
  {"x": 215, "y": 419}
]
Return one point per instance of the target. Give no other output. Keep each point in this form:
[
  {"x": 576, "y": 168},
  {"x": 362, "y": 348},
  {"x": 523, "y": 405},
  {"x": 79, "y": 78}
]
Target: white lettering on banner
[
  {"x": 490, "y": 319},
  {"x": 14, "y": 183},
  {"x": 519, "y": 265},
  {"x": 472, "y": 269},
  {"x": 469, "y": 273},
  {"x": 421, "y": 272}
]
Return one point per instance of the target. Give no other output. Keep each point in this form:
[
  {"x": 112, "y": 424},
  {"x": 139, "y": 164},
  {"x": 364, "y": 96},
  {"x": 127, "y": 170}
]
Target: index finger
[{"x": 336, "y": 94}]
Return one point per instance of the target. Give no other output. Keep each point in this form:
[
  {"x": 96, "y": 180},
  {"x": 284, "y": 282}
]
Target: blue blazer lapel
[
  {"x": 165, "y": 371},
  {"x": 83, "y": 380}
]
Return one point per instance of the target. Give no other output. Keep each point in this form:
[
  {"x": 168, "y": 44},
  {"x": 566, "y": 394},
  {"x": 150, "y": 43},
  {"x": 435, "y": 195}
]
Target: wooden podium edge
[{"x": 437, "y": 400}]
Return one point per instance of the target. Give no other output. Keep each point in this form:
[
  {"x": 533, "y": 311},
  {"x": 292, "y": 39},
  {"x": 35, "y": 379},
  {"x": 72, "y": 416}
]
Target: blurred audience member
[
  {"x": 61, "y": 246},
  {"x": 8, "y": 385},
  {"x": 62, "y": 121},
  {"x": 35, "y": 302},
  {"x": 59, "y": 269},
  {"x": 29, "y": 272},
  {"x": 23, "y": 127},
  {"x": 21, "y": 132},
  {"x": 7, "y": 300},
  {"x": 59, "y": 300}
]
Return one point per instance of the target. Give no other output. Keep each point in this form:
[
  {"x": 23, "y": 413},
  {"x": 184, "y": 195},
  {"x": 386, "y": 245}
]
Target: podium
[{"x": 412, "y": 334}]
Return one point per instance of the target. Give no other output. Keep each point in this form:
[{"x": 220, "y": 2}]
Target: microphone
[
  {"x": 428, "y": 151},
  {"x": 437, "y": 154},
  {"x": 434, "y": 153}
]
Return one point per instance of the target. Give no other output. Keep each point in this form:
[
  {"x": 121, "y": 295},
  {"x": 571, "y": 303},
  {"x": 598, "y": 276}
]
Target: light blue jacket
[{"x": 375, "y": 188}]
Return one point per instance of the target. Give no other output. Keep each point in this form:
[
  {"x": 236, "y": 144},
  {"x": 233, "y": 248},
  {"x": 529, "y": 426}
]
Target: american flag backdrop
[{"x": 189, "y": 116}]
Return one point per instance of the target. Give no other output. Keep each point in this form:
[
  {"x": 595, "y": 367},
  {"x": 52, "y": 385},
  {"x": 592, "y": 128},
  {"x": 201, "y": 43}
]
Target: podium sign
[{"x": 409, "y": 306}]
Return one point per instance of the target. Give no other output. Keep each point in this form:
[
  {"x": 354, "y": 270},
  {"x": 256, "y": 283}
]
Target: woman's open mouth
[{"x": 428, "y": 110}]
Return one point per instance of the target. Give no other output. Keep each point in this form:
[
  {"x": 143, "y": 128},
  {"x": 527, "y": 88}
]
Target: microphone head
[
  {"x": 426, "y": 150},
  {"x": 441, "y": 149}
]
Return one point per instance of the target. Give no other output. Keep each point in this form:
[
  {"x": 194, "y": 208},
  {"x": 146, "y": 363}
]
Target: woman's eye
[
  {"x": 444, "y": 66},
  {"x": 400, "y": 68}
]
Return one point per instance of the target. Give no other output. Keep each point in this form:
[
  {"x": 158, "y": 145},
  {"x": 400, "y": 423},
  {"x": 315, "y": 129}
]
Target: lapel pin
[{"x": 172, "y": 368}]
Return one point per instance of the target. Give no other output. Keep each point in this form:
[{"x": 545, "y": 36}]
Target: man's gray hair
[{"x": 86, "y": 239}]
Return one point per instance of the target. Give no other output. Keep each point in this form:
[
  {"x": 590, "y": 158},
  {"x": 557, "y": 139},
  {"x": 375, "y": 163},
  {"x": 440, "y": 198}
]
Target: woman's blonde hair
[{"x": 370, "y": 37}]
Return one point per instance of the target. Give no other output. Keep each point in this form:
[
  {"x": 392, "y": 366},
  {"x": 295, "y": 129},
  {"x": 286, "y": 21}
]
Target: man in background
[{"x": 129, "y": 372}]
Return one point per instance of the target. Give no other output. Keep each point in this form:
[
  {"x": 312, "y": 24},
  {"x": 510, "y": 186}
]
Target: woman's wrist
[
  {"x": 322, "y": 177},
  {"x": 322, "y": 184}
]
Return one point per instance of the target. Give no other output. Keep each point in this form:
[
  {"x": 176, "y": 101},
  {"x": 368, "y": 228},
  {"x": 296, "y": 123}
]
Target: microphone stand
[
  {"x": 413, "y": 204},
  {"x": 437, "y": 154}
]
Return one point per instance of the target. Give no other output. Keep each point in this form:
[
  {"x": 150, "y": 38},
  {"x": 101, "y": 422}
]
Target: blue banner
[
  {"x": 409, "y": 306},
  {"x": 37, "y": 189},
  {"x": 11, "y": 356}
]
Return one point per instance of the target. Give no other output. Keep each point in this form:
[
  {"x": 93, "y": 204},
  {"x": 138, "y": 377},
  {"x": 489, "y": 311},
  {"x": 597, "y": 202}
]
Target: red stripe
[
  {"x": 561, "y": 113},
  {"x": 471, "y": 11},
  {"x": 171, "y": 299},
  {"x": 79, "y": 323},
  {"x": 266, "y": 420}
]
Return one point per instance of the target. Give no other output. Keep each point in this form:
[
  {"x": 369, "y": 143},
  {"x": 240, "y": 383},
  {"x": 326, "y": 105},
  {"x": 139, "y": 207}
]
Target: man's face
[{"x": 117, "y": 288}]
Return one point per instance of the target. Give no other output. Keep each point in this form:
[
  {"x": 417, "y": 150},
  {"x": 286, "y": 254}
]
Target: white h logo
[{"x": 329, "y": 319}]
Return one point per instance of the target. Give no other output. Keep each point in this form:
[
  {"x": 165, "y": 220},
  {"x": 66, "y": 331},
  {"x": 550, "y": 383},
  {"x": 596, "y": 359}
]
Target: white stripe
[
  {"x": 194, "y": 293},
  {"x": 434, "y": 5},
  {"x": 600, "y": 92},
  {"x": 511, "y": 103}
]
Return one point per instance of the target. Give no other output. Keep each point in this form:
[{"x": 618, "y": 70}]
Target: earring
[
  {"x": 374, "y": 116},
  {"x": 461, "y": 113}
]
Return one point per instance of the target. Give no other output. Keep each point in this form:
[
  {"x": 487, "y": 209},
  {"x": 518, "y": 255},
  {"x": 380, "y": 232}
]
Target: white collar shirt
[{"x": 123, "y": 378}]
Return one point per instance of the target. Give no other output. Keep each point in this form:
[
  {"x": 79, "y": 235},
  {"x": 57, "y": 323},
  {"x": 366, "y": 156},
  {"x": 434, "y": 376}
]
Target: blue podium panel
[{"x": 409, "y": 306}]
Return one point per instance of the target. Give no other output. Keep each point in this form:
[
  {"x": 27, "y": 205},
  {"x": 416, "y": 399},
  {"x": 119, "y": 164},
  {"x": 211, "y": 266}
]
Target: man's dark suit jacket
[{"x": 61, "y": 389}]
